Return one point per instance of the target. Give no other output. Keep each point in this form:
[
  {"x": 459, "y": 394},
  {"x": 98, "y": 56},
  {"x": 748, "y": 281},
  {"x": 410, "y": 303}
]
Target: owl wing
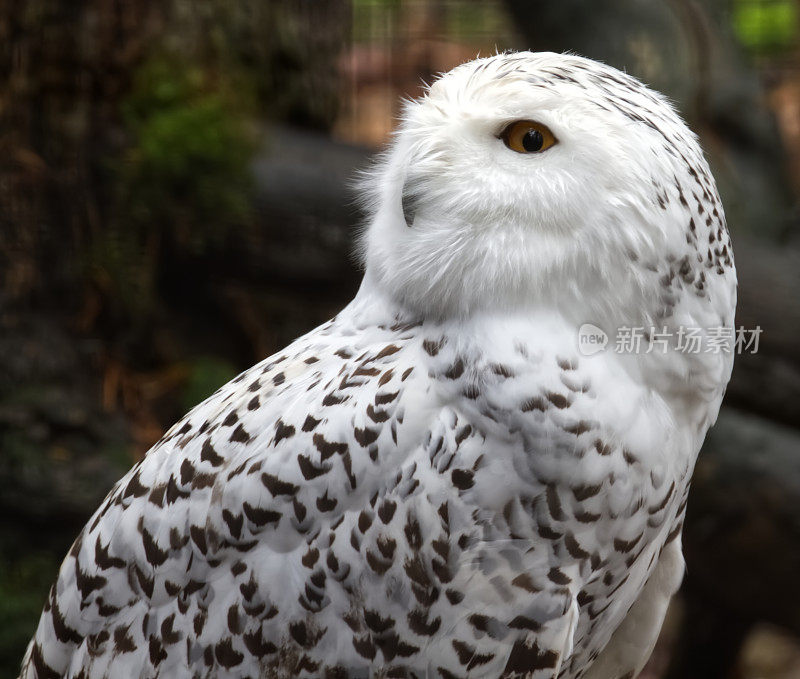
[
  {"x": 224, "y": 503},
  {"x": 348, "y": 503}
]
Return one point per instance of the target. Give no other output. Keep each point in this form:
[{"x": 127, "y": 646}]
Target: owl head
[{"x": 534, "y": 180}]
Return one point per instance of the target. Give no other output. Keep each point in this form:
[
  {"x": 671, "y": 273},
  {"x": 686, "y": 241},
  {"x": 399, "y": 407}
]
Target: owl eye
[{"x": 527, "y": 136}]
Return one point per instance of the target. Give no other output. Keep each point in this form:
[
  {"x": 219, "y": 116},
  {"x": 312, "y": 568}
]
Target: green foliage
[
  {"x": 24, "y": 583},
  {"x": 119, "y": 264},
  {"x": 461, "y": 20},
  {"x": 192, "y": 148},
  {"x": 472, "y": 19},
  {"x": 184, "y": 180},
  {"x": 766, "y": 26},
  {"x": 207, "y": 375},
  {"x": 374, "y": 19}
]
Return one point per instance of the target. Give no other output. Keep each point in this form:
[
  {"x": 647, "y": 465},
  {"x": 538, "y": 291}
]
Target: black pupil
[{"x": 532, "y": 141}]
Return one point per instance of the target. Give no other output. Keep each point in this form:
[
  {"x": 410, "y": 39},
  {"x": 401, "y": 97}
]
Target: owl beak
[{"x": 409, "y": 200}]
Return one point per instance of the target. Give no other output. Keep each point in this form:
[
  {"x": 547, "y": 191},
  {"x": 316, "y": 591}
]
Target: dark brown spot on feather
[
  {"x": 169, "y": 635},
  {"x": 156, "y": 651},
  {"x": 584, "y": 492},
  {"x": 377, "y": 623},
  {"x": 432, "y": 348},
  {"x": 521, "y": 622},
  {"x": 469, "y": 656},
  {"x": 208, "y": 454},
  {"x": 260, "y": 517},
  {"x": 526, "y": 659},
  {"x": 602, "y": 448},
  {"x": 463, "y": 479},
  {"x": 256, "y": 645},
  {"x": 534, "y": 403},
  {"x": 454, "y": 596},
  {"x": 558, "y": 400},
  {"x": 276, "y": 486},
  {"x": 203, "y": 481},
  {"x": 579, "y": 428},
  {"x": 377, "y": 416},
  {"x": 382, "y": 398},
  {"x": 625, "y": 546},
  {"x": 310, "y": 423},
  {"x": 234, "y": 523},
  {"x": 187, "y": 472},
  {"x": 309, "y": 470},
  {"x": 239, "y": 435},
  {"x": 574, "y": 549},
  {"x": 328, "y": 448},
  {"x": 103, "y": 559},
  {"x": 386, "y": 546},
  {"x": 333, "y": 399},
  {"x": 413, "y": 533},
  {"x": 64, "y": 633},
  {"x": 226, "y": 655},
  {"x": 388, "y": 350},
  {"x": 153, "y": 553},
  {"x": 419, "y": 623},
  {"x": 364, "y": 646},
  {"x": 283, "y": 431},
  {"x": 557, "y": 576},
  {"x": 456, "y": 370},
  {"x": 524, "y": 581},
  {"x": 376, "y": 563},
  {"x": 365, "y": 436},
  {"x": 387, "y": 510},
  {"x": 326, "y": 504},
  {"x": 554, "y": 503},
  {"x": 502, "y": 370},
  {"x": 123, "y": 642}
]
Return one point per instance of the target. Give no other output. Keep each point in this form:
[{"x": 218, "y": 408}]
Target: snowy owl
[{"x": 440, "y": 482}]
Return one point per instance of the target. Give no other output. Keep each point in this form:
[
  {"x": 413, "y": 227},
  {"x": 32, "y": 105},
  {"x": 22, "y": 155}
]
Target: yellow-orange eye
[{"x": 527, "y": 136}]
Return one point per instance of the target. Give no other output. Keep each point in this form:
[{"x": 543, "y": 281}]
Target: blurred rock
[
  {"x": 741, "y": 541},
  {"x": 61, "y": 452},
  {"x": 770, "y": 653},
  {"x": 742, "y": 534}
]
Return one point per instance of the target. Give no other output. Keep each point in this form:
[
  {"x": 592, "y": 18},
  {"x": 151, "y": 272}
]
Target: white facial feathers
[{"x": 583, "y": 225}]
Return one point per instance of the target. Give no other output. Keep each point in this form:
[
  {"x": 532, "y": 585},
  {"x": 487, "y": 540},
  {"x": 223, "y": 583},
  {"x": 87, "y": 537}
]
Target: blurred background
[{"x": 174, "y": 206}]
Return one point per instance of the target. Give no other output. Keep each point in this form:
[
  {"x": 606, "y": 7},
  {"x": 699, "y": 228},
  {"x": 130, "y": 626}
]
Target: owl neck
[{"x": 691, "y": 383}]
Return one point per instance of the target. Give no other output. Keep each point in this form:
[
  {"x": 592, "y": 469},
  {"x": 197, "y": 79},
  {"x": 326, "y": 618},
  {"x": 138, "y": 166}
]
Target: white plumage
[{"x": 436, "y": 483}]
